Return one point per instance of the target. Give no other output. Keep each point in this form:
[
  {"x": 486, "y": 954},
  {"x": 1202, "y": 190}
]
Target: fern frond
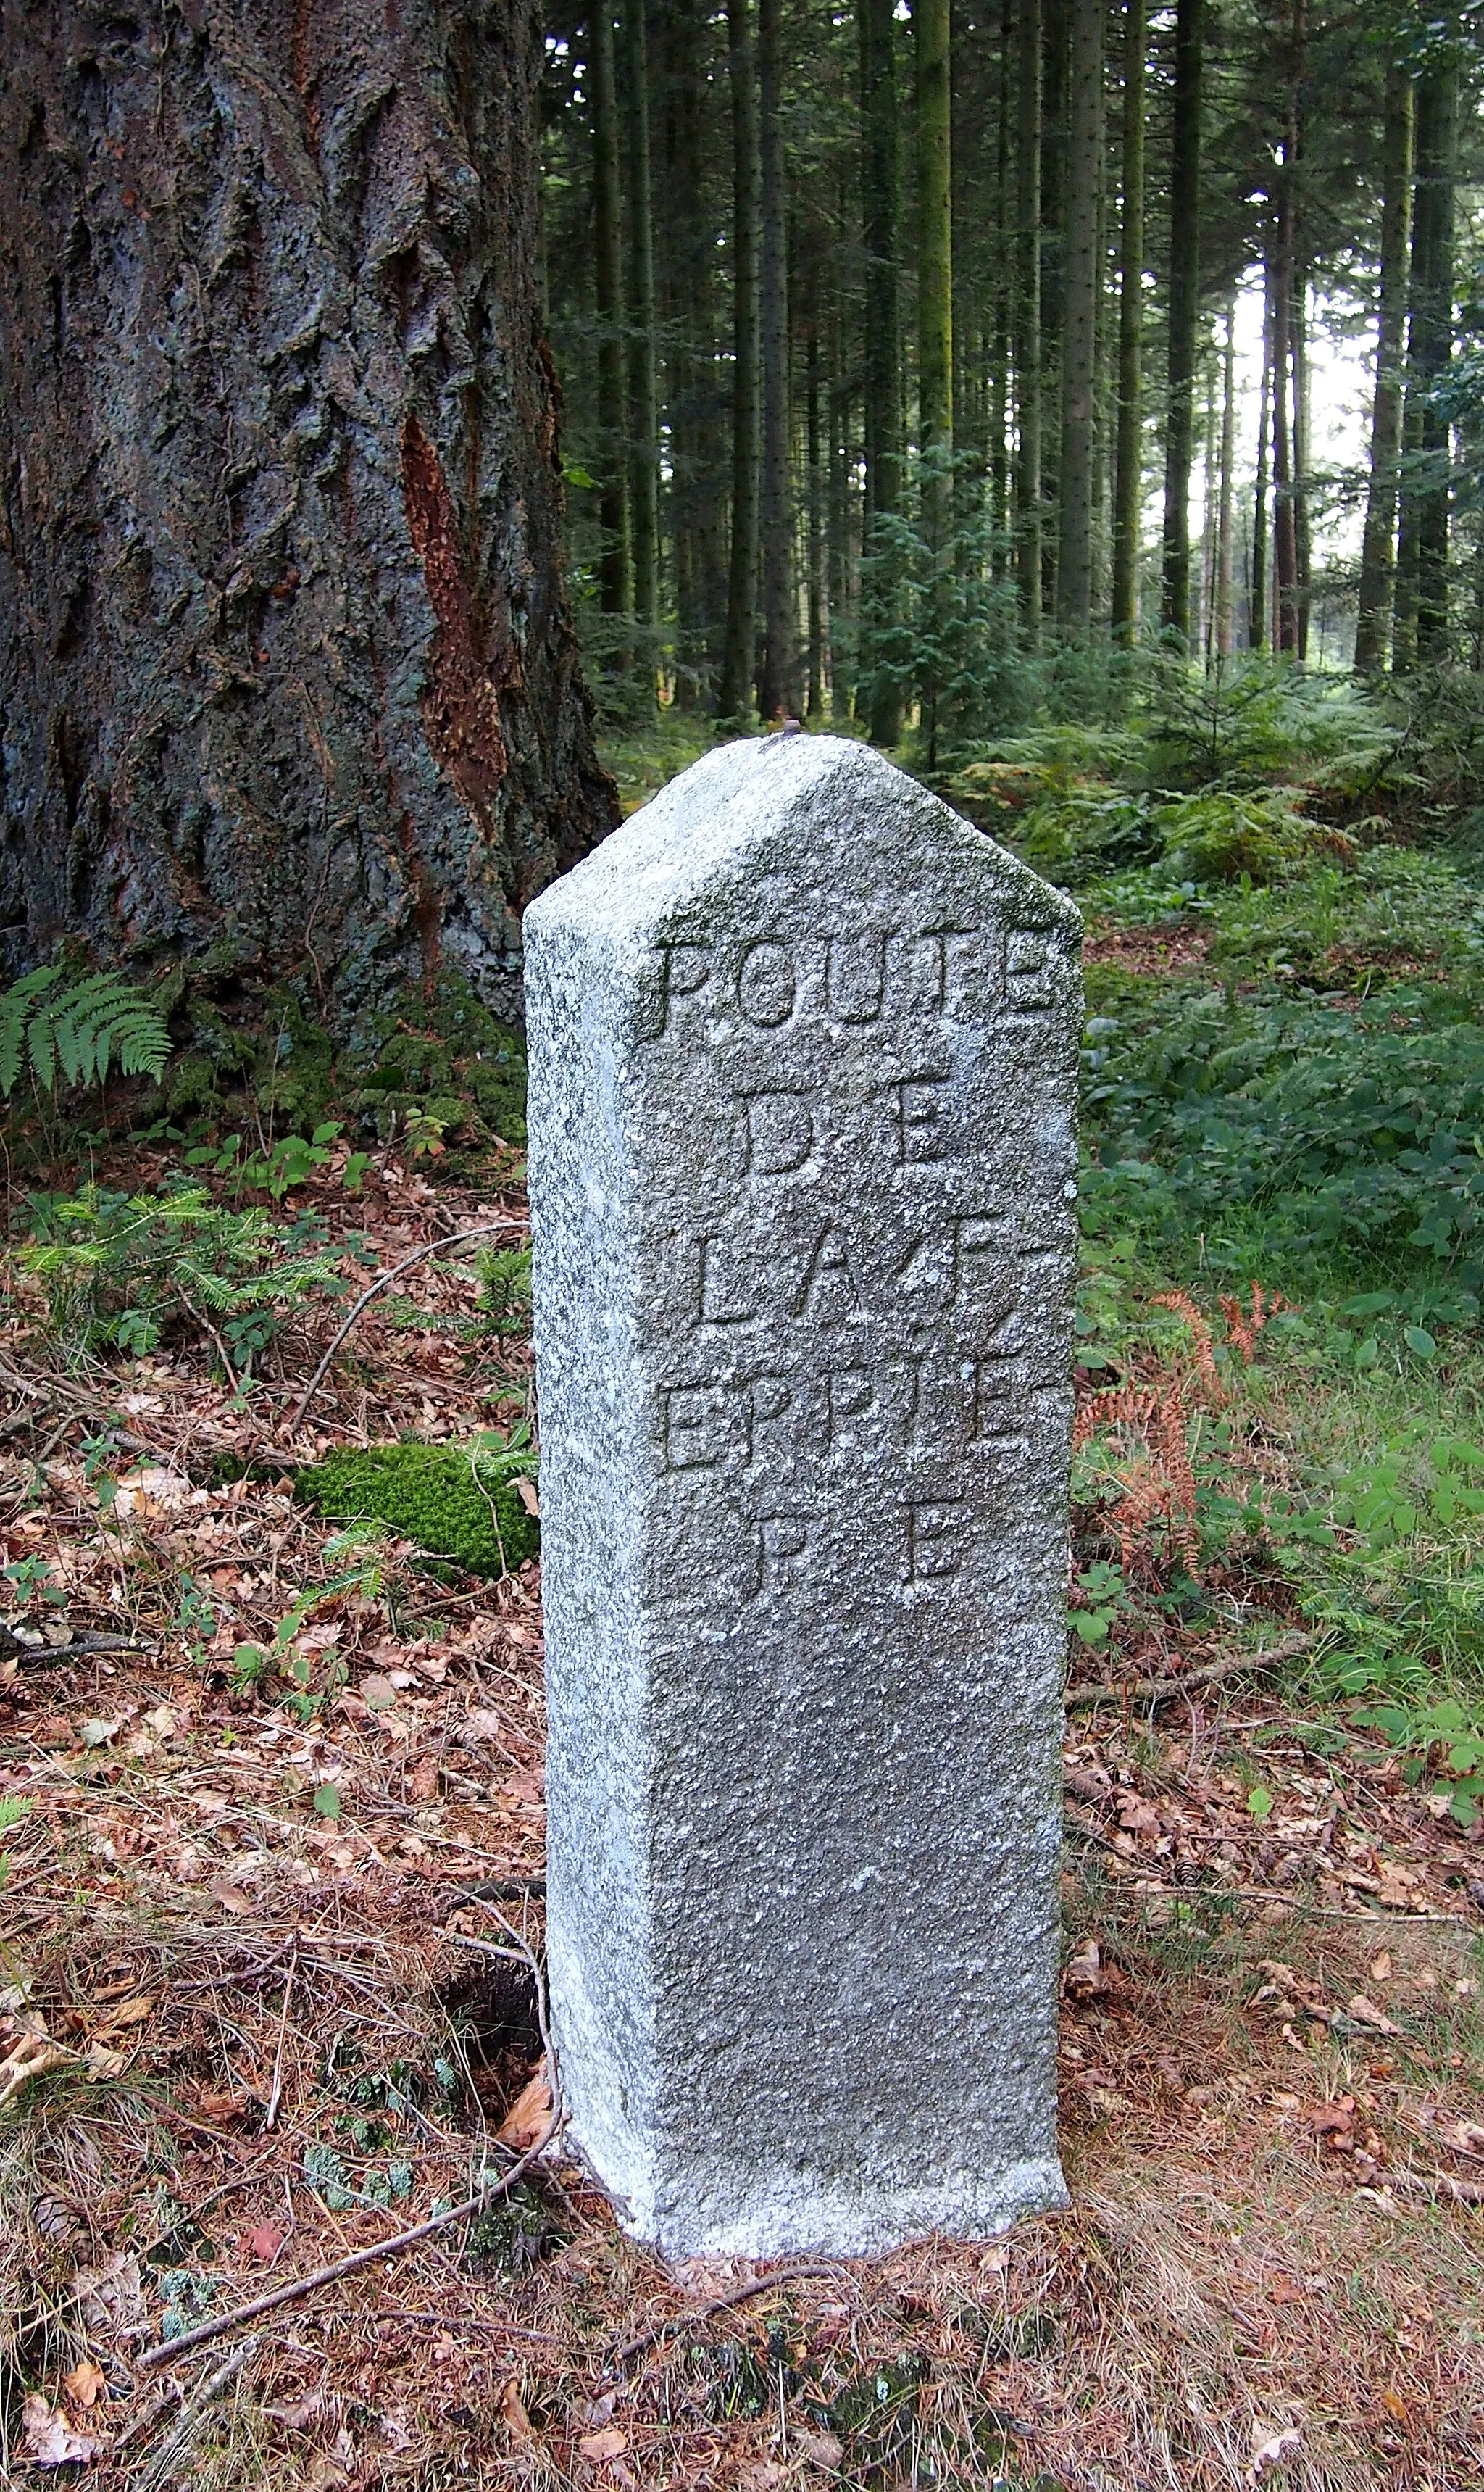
[{"x": 81, "y": 1028}]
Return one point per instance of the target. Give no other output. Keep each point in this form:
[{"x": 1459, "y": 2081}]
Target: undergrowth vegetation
[{"x": 1282, "y": 1190}]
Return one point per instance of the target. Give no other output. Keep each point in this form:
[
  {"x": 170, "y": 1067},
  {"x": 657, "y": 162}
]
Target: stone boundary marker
[{"x": 802, "y": 1053}]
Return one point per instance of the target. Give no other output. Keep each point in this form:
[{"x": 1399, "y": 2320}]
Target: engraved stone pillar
[{"x": 802, "y": 1174}]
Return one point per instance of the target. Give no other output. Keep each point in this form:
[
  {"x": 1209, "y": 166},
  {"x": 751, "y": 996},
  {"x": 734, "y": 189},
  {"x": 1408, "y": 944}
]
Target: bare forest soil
[{"x": 257, "y": 2021}]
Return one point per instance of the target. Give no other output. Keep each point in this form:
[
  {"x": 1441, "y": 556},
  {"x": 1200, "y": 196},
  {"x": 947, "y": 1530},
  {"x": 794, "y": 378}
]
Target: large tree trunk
[
  {"x": 1377, "y": 556},
  {"x": 286, "y": 667},
  {"x": 1128, "y": 475},
  {"x": 1184, "y": 303}
]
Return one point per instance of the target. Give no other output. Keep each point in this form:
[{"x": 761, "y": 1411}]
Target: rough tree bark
[{"x": 286, "y": 671}]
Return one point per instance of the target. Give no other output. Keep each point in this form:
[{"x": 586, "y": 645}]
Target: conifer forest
[{"x": 426, "y": 431}]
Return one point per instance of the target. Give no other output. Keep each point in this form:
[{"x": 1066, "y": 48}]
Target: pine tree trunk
[
  {"x": 1129, "y": 479},
  {"x": 819, "y": 610},
  {"x": 735, "y": 700},
  {"x": 1302, "y": 561},
  {"x": 1224, "y": 637},
  {"x": 1079, "y": 344},
  {"x": 778, "y": 672},
  {"x": 934, "y": 318},
  {"x": 842, "y": 609},
  {"x": 615, "y": 573},
  {"x": 643, "y": 373},
  {"x": 881, "y": 350},
  {"x": 999, "y": 348},
  {"x": 1285, "y": 547},
  {"x": 286, "y": 671},
  {"x": 697, "y": 445},
  {"x": 1184, "y": 305},
  {"x": 1378, "y": 560},
  {"x": 1204, "y": 621},
  {"x": 1055, "y": 18},
  {"x": 1028, "y": 318},
  {"x": 1432, "y": 344},
  {"x": 1257, "y": 602}
]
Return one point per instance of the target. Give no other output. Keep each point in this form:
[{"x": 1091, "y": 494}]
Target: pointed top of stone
[{"x": 770, "y": 804}]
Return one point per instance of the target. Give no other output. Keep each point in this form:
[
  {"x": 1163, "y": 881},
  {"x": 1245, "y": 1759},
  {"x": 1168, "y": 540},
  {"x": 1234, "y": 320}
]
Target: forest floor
[{"x": 259, "y": 2019}]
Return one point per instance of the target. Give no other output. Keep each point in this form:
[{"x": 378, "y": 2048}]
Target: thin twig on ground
[
  {"x": 300, "y": 2286},
  {"x": 383, "y": 1281},
  {"x": 157, "y": 2469},
  {"x": 1159, "y": 1691},
  {"x": 713, "y": 2309}
]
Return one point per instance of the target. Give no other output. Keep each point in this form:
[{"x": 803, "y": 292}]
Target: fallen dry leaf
[
  {"x": 422, "y": 1781},
  {"x": 512, "y": 2413},
  {"x": 230, "y": 1898},
  {"x": 133, "y": 2012},
  {"x": 1366, "y": 2012},
  {"x": 50, "y": 2439},
  {"x": 528, "y": 2115},
  {"x": 611, "y": 2443},
  {"x": 818, "y": 2449},
  {"x": 32, "y": 2056},
  {"x": 264, "y": 2243},
  {"x": 84, "y": 2384},
  {"x": 1270, "y": 2447}
]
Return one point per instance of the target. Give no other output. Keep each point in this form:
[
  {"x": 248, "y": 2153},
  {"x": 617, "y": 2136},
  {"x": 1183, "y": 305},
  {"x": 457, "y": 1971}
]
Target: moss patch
[
  {"x": 447, "y": 1064},
  {"x": 461, "y": 1503}
]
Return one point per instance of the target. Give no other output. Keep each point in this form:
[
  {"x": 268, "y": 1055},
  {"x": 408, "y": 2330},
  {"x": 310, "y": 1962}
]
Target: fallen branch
[
  {"x": 748, "y": 2291},
  {"x": 1159, "y": 1691},
  {"x": 167, "y": 2457},
  {"x": 302, "y": 2286},
  {"x": 383, "y": 1281}
]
